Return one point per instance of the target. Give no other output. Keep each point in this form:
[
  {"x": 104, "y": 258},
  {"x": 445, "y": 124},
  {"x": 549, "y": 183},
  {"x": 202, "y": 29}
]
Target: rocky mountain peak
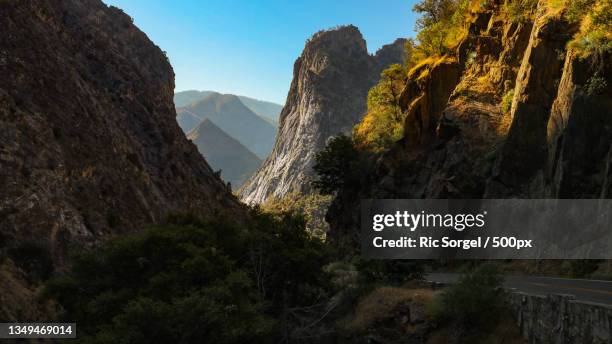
[{"x": 327, "y": 97}]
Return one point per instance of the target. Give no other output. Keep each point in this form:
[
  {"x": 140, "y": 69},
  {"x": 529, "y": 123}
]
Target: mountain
[
  {"x": 327, "y": 97},
  {"x": 185, "y": 98},
  {"x": 224, "y": 153},
  {"x": 266, "y": 110},
  {"x": 515, "y": 112},
  {"x": 89, "y": 145},
  {"x": 234, "y": 118}
]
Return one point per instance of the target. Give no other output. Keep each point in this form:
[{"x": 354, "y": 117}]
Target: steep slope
[
  {"x": 554, "y": 141},
  {"x": 224, "y": 153},
  {"x": 262, "y": 108},
  {"x": 327, "y": 97},
  {"x": 89, "y": 144},
  {"x": 233, "y": 117}
]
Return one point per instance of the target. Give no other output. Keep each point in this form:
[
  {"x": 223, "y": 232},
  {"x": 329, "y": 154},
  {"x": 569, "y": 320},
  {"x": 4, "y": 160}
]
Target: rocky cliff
[
  {"x": 89, "y": 144},
  {"x": 513, "y": 113},
  {"x": 327, "y": 97}
]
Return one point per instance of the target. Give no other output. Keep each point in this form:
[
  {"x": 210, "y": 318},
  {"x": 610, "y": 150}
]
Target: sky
[{"x": 248, "y": 47}]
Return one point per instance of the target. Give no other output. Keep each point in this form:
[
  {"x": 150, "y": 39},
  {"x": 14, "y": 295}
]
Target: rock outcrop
[
  {"x": 327, "y": 97},
  {"x": 89, "y": 144},
  {"x": 555, "y": 140}
]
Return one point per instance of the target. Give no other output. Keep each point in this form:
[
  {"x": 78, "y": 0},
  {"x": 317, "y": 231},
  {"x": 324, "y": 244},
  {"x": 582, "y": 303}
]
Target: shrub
[
  {"x": 507, "y": 102},
  {"x": 475, "y": 303},
  {"x": 312, "y": 207},
  {"x": 595, "y": 85},
  {"x": 520, "y": 11},
  {"x": 595, "y": 18}
]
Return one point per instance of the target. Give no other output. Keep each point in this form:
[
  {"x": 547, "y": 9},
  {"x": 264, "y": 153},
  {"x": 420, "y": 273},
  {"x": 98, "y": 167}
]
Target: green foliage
[
  {"x": 475, "y": 303},
  {"x": 194, "y": 280},
  {"x": 433, "y": 12},
  {"x": 441, "y": 26},
  {"x": 311, "y": 207},
  {"x": 336, "y": 165},
  {"x": 383, "y": 124},
  {"x": 577, "y": 9},
  {"x": 520, "y": 11},
  {"x": 595, "y": 18},
  {"x": 507, "y": 101},
  {"x": 595, "y": 85}
]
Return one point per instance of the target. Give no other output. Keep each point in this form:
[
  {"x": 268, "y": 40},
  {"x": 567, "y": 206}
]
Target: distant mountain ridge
[
  {"x": 265, "y": 109},
  {"x": 223, "y": 152},
  {"x": 233, "y": 117}
]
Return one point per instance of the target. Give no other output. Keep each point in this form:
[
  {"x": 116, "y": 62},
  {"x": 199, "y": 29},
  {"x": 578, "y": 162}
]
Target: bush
[
  {"x": 312, "y": 207},
  {"x": 194, "y": 280},
  {"x": 595, "y": 18},
  {"x": 507, "y": 102},
  {"x": 595, "y": 85},
  {"x": 475, "y": 303},
  {"x": 520, "y": 11}
]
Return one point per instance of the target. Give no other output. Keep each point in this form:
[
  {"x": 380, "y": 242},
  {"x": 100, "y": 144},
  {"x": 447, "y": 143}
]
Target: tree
[
  {"x": 383, "y": 124},
  {"x": 336, "y": 165},
  {"x": 433, "y": 11},
  {"x": 441, "y": 25},
  {"x": 195, "y": 280}
]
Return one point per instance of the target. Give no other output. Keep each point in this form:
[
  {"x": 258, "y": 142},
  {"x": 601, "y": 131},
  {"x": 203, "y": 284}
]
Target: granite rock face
[
  {"x": 89, "y": 144},
  {"x": 555, "y": 140},
  {"x": 327, "y": 97}
]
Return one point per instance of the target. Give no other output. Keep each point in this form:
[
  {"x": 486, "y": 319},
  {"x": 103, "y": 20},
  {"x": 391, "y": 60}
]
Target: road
[{"x": 581, "y": 289}]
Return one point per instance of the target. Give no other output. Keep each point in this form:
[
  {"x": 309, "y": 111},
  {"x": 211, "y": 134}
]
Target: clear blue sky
[{"x": 248, "y": 47}]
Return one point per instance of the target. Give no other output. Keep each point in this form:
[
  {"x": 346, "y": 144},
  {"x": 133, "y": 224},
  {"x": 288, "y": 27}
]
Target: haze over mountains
[
  {"x": 229, "y": 113},
  {"x": 267, "y": 110},
  {"x": 224, "y": 153}
]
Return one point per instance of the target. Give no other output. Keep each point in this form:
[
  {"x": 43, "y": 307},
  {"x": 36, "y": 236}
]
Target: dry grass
[
  {"x": 381, "y": 303},
  {"x": 505, "y": 332}
]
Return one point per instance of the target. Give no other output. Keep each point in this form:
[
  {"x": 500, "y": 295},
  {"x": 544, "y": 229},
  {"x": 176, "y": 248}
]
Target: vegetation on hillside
[
  {"x": 196, "y": 278},
  {"x": 474, "y": 305},
  {"x": 312, "y": 207},
  {"x": 336, "y": 166},
  {"x": 595, "y": 20},
  {"x": 383, "y": 123},
  {"x": 441, "y": 26}
]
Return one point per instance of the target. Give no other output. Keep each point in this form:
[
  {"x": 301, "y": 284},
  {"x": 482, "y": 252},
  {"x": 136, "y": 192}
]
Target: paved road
[{"x": 582, "y": 289}]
